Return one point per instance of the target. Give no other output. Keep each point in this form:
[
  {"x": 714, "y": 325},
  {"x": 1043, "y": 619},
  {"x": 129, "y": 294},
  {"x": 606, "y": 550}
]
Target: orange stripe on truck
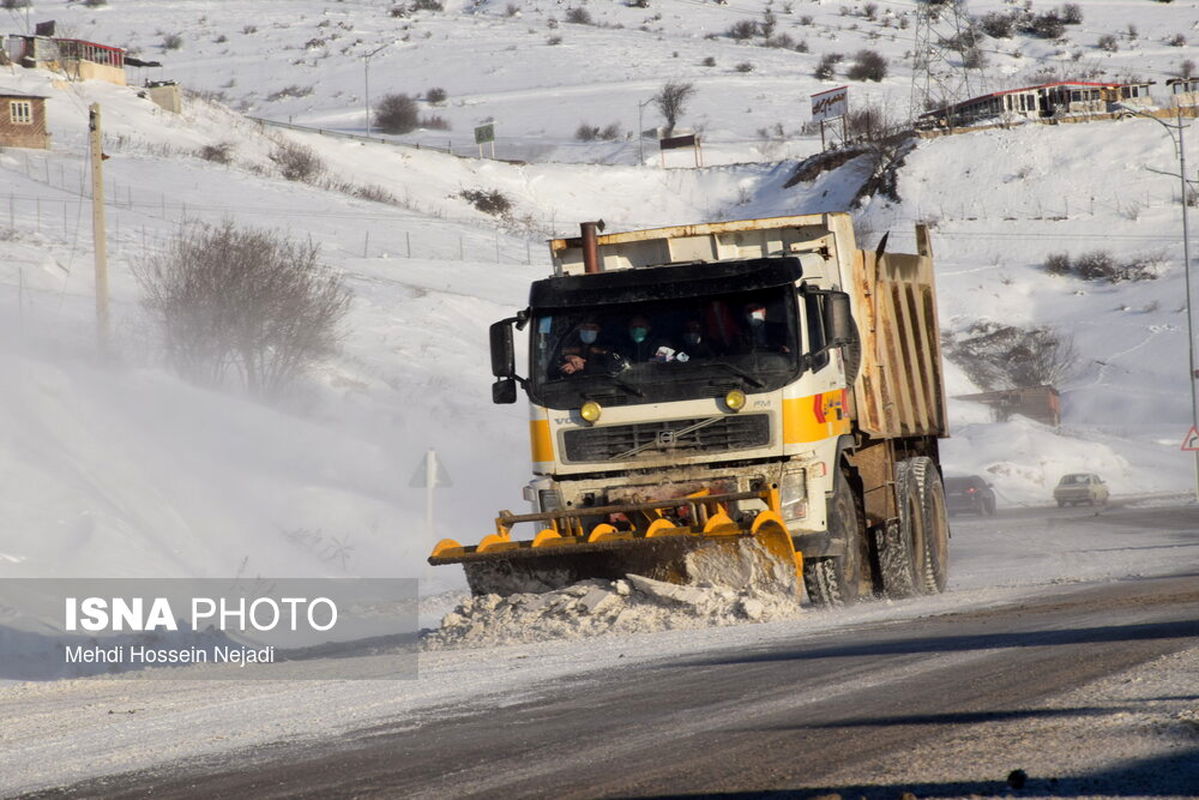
[
  {"x": 815, "y": 417},
  {"x": 541, "y": 441}
]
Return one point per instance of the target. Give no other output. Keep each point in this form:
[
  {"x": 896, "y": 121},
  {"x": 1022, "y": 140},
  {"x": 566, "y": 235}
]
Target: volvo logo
[{"x": 666, "y": 439}]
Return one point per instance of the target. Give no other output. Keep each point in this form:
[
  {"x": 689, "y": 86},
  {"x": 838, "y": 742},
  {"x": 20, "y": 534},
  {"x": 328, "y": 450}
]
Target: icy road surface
[{"x": 1038, "y": 612}]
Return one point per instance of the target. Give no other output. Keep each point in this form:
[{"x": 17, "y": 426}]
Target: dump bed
[{"x": 900, "y": 389}]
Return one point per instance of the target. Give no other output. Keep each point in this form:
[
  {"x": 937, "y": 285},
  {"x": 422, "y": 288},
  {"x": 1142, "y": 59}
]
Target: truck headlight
[
  {"x": 735, "y": 400},
  {"x": 793, "y": 494},
  {"x": 590, "y": 411}
]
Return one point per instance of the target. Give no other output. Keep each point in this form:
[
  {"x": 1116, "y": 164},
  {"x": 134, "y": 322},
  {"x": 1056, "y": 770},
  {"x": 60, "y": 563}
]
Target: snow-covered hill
[{"x": 120, "y": 468}]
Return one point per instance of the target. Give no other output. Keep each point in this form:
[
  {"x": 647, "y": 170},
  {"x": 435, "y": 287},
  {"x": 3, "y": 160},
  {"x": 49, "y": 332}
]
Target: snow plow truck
[{"x": 753, "y": 400}]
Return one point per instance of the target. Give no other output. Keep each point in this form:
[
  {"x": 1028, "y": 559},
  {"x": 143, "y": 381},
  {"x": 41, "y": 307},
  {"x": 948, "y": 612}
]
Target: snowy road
[{"x": 833, "y": 702}]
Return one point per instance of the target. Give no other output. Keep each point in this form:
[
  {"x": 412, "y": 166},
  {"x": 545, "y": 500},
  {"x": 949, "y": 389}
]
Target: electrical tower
[{"x": 946, "y": 61}]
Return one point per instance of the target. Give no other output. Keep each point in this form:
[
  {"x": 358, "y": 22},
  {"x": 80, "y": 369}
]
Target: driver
[{"x": 582, "y": 350}]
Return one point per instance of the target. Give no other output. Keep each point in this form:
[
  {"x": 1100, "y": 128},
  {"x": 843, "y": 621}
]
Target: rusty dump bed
[{"x": 900, "y": 390}]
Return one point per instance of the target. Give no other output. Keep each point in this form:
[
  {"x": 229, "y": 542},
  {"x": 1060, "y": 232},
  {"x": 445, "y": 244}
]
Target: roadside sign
[
  {"x": 1191, "y": 442},
  {"x": 430, "y": 472},
  {"x": 485, "y": 133},
  {"x": 830, "y": 104}
]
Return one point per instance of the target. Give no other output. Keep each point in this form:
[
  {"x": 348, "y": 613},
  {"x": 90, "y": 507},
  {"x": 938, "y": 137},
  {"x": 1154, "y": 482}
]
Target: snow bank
[{"x": 590, "y": 608}]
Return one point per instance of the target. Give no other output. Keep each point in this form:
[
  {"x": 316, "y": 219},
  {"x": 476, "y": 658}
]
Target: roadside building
[{"x": 23, "y": 120}]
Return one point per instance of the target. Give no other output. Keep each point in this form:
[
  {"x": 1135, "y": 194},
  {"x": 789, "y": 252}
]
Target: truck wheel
[
  {"x": 900, "y": 542},
  {"x": 835, "y": 581},
  {"x": 934, "y": 561}
]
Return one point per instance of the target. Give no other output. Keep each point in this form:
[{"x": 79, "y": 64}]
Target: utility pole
[
  {"x": 366, "y": 82},
  {"x": 640, "y": 138},
  {"x": 99, "y": 233},
  {"x": 1192, "y": 374}
]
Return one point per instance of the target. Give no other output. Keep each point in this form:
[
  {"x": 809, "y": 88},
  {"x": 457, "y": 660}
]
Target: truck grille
[{"x": 670, "y": 436}]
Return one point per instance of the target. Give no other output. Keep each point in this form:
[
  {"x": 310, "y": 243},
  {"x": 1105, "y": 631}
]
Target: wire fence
[{"x": 141, "y": 221}]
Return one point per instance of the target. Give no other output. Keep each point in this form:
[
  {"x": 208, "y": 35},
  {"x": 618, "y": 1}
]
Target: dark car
[{"x": 971, "y": 493}]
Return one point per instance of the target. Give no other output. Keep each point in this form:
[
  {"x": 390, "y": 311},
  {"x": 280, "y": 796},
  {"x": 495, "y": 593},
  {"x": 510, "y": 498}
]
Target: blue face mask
[
  {"x": 588, "y": 336},
  {"x": 638, "y": 334}
]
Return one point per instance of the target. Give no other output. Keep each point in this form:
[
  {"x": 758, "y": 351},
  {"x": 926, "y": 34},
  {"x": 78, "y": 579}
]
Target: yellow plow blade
[{"x": 714, "y": 550}]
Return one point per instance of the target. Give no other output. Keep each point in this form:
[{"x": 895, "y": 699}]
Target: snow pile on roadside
[{"x": 589, "y": 608}]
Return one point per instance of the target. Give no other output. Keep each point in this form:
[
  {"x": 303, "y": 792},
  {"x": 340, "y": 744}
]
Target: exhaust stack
[{"x": 591, "y": 262}]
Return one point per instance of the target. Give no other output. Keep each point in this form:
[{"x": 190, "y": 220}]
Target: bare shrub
[
  {"x": 1186, "y": 68},
  {"x": 241, "y": 301},
  {"x": 297, "y": 162},
  {"x": 221, "y": 153},
  {"x": 1101, "y": 265},
  {"x": 553, "y": 40},
  {"x": 769, "y": 21},
  {"x": 709, "y": 61},
  {"x": 511, "y": 10},
  {"x": 744, "y": 66},
  {"x": 997, "y": 25},
  {"x": 1108, "y": 43},
  {"x": 783, "y": 41},
  {"x": 436, "y": 95},
  {"x": 15, "y": 4},
  {"x": 1071, "y": 14},
  {"x": 172, "y": 41},
  {"x": 435, "y": 122},
  {"x": 1057, "y": 264},
  {"x": 586, "y": 132},
  {"x": 376, "y": 194},
  {"x": 397, "y": 113},
  {"x": 95, "y": 3},
  {"x": 742, "y": 30},
  {"x": 290, "y": 91},
  {"x": 610, "y": 132},
  {"x": 1045, "y": 26},
  {"x": 997, "y": 356},
  {"x": 672, "y": 102},
  {"x": 578, "y": 16},
  {"x": 868, "y": 65},
  {"x": 1177, "y": 40},
  {"x": 491, "y": 201},
  {"x": 249, "y": 29},
  {"x": 827, "y": 68},
  {"x": 427, "y": 5}
]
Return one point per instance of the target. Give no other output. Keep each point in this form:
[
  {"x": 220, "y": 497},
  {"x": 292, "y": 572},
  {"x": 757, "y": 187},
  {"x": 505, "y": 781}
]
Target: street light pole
[
  {"x": 640, "y": 132},
  {"x": 1186, "y": 260},
  {"x": 366, "y": 81}
]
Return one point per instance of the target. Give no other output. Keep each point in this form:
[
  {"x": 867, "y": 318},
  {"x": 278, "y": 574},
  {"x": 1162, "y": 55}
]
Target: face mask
[
  {"x": 757, "y": 318},
  {"x": 588, "y": 336},
  {"x": 638, "y": 334},
  {"x": 691, "y": 337}
]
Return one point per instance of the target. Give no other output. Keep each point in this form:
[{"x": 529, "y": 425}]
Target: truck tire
[
  {"x": 934, "y": 561},
  {"x": 834, "y": 581},
  {"x": 901, "y": 542}
]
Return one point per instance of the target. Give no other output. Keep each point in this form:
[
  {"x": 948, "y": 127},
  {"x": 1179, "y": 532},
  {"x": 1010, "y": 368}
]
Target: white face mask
[
  {"x": 757, "y": 318},
  {"x": 588, "y": 335}
]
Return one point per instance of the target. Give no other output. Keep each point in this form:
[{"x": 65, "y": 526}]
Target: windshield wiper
[{"x": 740, "y": 373}]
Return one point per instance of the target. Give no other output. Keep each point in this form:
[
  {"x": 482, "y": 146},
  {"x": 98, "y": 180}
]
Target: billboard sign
[{"x": 830, "y": 104}]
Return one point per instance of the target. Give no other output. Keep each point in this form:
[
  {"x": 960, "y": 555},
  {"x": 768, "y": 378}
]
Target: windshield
[{"x": 665, "y": 350}]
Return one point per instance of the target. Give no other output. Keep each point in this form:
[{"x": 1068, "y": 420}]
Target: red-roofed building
[{"x": 1045, "y": 101}]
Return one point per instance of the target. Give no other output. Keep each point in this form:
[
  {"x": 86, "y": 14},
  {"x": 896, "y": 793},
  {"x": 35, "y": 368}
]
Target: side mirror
[
  {"x": 503, "y": 391},
  {"x": 839, "y": 320},
  {"x": 503, "y": 357}
]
